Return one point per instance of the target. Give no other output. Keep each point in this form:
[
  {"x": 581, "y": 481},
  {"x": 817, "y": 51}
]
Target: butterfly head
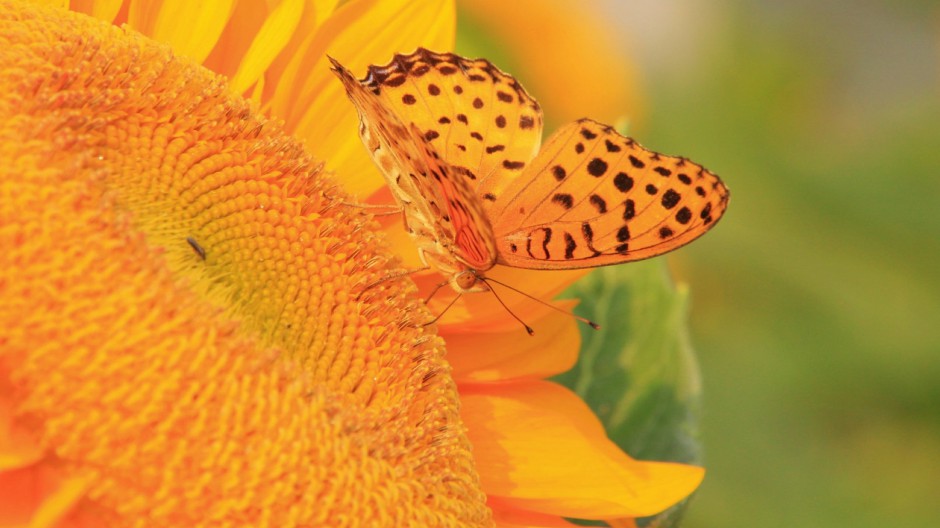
[{"x": 468, "y": 280}]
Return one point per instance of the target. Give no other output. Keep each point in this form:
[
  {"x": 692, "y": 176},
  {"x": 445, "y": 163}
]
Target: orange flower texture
[{"x": 194, "y": 327}]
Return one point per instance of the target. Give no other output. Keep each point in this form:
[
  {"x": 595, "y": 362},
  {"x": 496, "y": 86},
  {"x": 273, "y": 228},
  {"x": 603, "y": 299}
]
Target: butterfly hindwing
[
  {"x": 460, "y": 209},
  {"x": 441, "y": 209},
  {"x": 593, "y": 197}
]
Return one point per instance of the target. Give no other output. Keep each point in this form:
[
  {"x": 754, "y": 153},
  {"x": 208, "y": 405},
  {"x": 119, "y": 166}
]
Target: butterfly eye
[{"x": 465, "y": 279}]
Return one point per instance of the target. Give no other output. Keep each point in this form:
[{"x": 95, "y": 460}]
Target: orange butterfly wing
[
  {"x": 478, "y": 118},
  {"x": 593, "y": 197},
  {"x": 469, "y": 229},
  {"x": 441, "y": 209}
]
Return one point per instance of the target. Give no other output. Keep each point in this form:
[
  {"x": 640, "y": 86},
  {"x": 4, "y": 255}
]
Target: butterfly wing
[
  {"x": 478, "y": 118},
  {"x": 593, "y": 197},
  {"x": 463, "y": 215},
  {"x": 442, "y": 212}
]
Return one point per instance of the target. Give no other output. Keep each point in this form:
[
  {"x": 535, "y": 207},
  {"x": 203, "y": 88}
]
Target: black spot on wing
[
  {"x": 629, "y": 210},
  {"x": 597, "y": 167},
  {"x": 623, "y": 234},
  {"x": 670, "y": 199},
  {"x": 570, "y": 246},
  {"x": 623, "y": 182},
  {"x": 684, "y": 215},
  {"x": 564, "y": 200},
  {"x": 706, "y": 211}
]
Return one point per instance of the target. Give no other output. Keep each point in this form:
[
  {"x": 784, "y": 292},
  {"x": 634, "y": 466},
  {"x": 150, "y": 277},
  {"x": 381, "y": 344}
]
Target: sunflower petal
[
  {"x": 58, "y": 504},
  {"x": 268, "y": 42},
  {"x": 590, "y": 51},
  {"x": 101, "y": 9},
  {"x": 162, "y": 21},
  {"x": 307, "y": 95},
  {"x": 323, "y": 8},
  {"x": 578, "y": 472},
  {"x": 552, "y": 350},
  {"x": 508, "y": 516}
]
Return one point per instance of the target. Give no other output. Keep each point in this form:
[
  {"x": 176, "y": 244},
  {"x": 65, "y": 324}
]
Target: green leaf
[{"x": 638, "y": 372}]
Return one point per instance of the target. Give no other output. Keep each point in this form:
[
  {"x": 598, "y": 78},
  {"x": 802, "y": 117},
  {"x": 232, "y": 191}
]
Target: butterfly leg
[
  {"x": 444, "y": 311},
  {"x": 435, "y": 290},
  {"x": 376, "y": 209},
  {"x": 391, "y": 276}
]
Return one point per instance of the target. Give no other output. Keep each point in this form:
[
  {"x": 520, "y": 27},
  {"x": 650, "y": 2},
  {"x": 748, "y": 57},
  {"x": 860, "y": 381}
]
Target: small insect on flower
[{"x": 201, "y": 251}]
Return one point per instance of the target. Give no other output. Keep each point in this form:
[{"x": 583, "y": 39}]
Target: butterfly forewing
[
  {"x": 478, "y": 118},
  {"x": 593, "y": 197}
]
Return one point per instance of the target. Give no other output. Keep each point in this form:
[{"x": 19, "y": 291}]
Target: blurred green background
[{"x": 815, "y": 304}]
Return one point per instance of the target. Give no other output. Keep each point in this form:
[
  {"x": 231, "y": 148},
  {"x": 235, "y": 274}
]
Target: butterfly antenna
[
  {"x": 516, "y": 317},
  {"x": 444, "y": 311},
  {"x": 584, "y": 320},
  {"x": 434, "y": 292}
]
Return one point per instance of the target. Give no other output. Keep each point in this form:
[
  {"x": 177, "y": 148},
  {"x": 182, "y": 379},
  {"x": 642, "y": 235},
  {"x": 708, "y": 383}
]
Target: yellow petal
[
  {"x": 552, "y": 350},
  {"x": 56, "y": 3},
  {"x": 324, "y": 8},
  {"x": 315, "y": 14},
  {"x": 508, "y": 516},
  {"x": 267, "y": 43},
  {"x": 190, "y": 28},
  {"x": 101, "y": 9},
  {"x": 18, "y": 447},
  {"x": 308, "y": 95},
  {"x": 568, "y": 56},
  {"x": 239, "y": 32},
  {"x": 538, "y": 447},
  {"x": 59, "y": 503}
]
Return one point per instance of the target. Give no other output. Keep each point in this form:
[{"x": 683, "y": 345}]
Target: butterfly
[{"x": 457, "y": 141}]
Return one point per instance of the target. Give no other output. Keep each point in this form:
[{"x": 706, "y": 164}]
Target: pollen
[{"x": 196, "y": 326}]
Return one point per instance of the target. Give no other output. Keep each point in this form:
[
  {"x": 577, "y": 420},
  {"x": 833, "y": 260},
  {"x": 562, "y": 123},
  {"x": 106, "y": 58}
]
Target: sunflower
[{"x": 186, "y": 333}]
